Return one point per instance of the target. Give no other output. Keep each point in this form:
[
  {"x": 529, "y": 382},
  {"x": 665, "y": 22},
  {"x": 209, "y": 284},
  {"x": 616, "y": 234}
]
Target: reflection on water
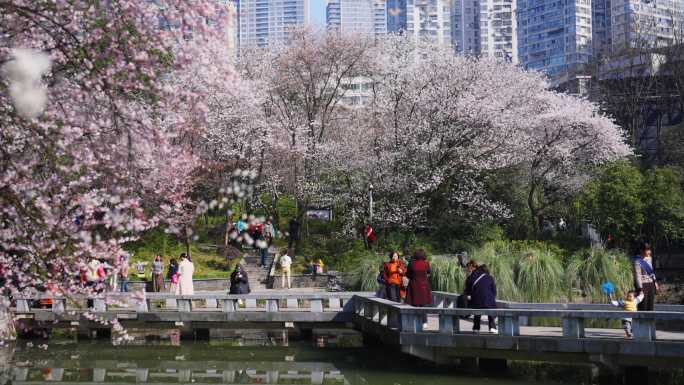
[
  {"x": 213, "y": 363},
  {"x": 322, "y": 356}
]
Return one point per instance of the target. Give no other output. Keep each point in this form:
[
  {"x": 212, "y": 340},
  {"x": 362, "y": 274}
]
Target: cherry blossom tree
[
  {"x": 91, "y": 167},
  {"x": 439, "y": 124},
  {"x": 564, "y": 143},
  {"x": 303, "y": 84}
]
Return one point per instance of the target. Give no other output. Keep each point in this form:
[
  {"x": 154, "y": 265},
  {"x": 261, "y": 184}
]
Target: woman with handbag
[{"x": 481, "y": 288}]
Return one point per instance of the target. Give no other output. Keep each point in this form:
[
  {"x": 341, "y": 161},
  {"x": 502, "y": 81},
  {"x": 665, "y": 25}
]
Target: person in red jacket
[
  {"x": 419, "y": 292},
  {"x": 393, "y": 272},
  {"x": 370, "y": 236}
]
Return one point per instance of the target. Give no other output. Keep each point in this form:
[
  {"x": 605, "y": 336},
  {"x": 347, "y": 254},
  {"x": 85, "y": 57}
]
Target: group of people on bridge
[{"x": 409, "y": 283}]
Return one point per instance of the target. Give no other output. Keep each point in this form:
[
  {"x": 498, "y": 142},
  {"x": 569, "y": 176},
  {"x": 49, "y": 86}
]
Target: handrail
[
  {"x": 449, "y": 300},
  {"x": 203, "y": 296},
  {"x": 406, "y": 318},
  {"x": 340, "y": 302}
]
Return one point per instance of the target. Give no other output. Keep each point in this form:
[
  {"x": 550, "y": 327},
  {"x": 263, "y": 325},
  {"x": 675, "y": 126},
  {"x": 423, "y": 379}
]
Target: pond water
[{"x": 270, "y": 360}]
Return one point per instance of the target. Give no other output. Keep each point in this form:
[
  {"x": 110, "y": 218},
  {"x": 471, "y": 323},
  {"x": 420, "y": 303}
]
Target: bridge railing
[
  {"x": 449, "y": 300},
  {"x": 409, "y": 319},
  {"x": 164, "y": 302}
]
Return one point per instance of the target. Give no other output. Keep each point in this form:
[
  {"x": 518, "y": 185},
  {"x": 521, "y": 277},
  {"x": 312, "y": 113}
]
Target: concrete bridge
[
  {"x": 446, "y": 337},
  {"x": 195, "y": 316},
  {"x": 581, "y": 332}
]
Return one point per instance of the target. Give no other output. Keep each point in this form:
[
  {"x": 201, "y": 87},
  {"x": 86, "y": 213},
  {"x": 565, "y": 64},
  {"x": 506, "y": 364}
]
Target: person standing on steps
[
  {"x": 261, "y": 244},
  {"x": 293, "y": 229},
  {"x": 369, "y": 236},
  {"x": 157, "y": 274},
  {"x": 270, "y": 231},
  {"x": 241, "y": 226},
  {"x": 481, "y": 289},
  {"x": 285, "y": 263},
  {"x": 644, "y": 277},
  {"x": 185, "y": 271}
]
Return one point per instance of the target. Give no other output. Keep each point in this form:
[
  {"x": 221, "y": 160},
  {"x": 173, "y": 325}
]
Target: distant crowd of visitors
[{"x": 101, "y": 276}]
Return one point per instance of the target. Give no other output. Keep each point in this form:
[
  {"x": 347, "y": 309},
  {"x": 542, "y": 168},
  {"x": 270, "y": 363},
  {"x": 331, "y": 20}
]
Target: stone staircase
[{"x": 258, "y": 276}]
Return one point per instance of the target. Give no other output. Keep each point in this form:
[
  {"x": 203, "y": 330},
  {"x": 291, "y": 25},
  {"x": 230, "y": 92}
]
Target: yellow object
[{"x": 630, "y": 305}]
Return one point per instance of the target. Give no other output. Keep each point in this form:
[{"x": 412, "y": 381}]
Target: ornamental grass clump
[
  {"x": 500, "y": 260},
  {"x": 364, "y": 275},
  {"x": 540, "y": 276},
  {"x": 447, "y": 274},
  {"x": 590, "y": 268}
]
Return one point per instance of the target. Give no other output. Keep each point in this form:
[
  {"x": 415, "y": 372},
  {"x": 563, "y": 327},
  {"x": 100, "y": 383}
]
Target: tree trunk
[
  {"x": 276, "y": 215},
  {"x": 187, "y": 242},
  {"x": 405, "y": 245},
  {"x": 534, "y": 212}
]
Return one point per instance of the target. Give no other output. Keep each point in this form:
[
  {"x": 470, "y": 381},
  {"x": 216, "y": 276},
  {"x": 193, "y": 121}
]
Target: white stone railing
[
  {"x": 409, "y": 319},
  {"x": 163, "y": 302}
]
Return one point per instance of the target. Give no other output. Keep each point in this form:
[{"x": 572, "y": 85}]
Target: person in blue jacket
[{"x": 481, "y": 290}]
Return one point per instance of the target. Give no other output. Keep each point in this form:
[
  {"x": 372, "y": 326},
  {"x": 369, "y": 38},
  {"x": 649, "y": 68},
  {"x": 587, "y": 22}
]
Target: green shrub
[
  {"x": 447, "y": 275},
  {"x": 591, "y": 267},
  {"x": 500, "y": 259},
  {"x": 540, "y": 276},
  {"x": 363, "y": 275}
]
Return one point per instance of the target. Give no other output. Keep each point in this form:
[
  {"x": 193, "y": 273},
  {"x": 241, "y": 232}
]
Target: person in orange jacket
[{"x": 394, "y": 271}]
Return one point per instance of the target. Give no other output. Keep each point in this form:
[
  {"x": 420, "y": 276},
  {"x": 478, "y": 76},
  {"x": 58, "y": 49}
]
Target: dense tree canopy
[
  {"x": 100, "y": 158},
  {"x": 145, "y": 123}
]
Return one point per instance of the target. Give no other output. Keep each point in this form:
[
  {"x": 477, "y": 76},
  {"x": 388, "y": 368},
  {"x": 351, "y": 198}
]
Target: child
[
  {"x": 628, "y": 304},
  {"x": 382, "y": 286}
]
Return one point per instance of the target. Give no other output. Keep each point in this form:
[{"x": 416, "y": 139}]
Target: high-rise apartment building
[
  {"x": 601, "y": 27},
  {"x": 230, "y": 28},
  {"x": 645, "y": 24},
  {"x": 485, "y": 27},
  {"x": 269, "y": 22},
  {"x": 429, "y": 20},
  {"x": 465, "y": 26},
  {"x": 497, "y": 29},
  {"x": 554, "y": 36},
  {"x": 396, "y": 16},
  {"x": 365, "y": 17}
]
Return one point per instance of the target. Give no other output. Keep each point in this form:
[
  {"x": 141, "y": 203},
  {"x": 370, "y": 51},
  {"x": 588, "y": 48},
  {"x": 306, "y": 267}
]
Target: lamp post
[{"x": 370, "y": 199}]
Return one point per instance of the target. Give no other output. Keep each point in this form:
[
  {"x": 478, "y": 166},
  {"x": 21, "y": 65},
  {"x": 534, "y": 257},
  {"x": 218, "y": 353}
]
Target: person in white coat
[
  {"x": 285, "y": 263},
  {"x": 185, "y": 271}
]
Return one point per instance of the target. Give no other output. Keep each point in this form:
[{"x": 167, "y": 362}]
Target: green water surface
[{"x": 232, "y": 362}]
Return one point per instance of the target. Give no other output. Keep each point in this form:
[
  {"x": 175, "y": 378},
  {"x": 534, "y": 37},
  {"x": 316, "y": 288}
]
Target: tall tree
[
  {"x": 92, "y": 167},
  {"x": 304, "y": 83}
]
